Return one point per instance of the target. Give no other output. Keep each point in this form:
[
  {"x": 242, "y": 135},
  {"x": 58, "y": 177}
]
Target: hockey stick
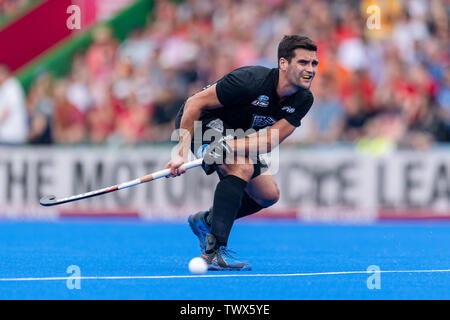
[{"x": 53, "y": 201}]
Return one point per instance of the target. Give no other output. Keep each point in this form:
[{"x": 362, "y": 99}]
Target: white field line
[{"x": 234, "y": 275}]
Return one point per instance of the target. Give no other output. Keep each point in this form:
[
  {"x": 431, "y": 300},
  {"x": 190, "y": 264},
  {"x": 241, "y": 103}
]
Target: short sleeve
[
  {"x": 235, "y": 86},
  {"x": 295, "y": 114}
]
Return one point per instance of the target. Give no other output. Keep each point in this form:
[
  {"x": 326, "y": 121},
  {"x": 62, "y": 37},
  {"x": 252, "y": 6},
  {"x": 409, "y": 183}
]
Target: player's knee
[
  {"x": 244, "y": 170},
  {"x": 271, "y": 198}
]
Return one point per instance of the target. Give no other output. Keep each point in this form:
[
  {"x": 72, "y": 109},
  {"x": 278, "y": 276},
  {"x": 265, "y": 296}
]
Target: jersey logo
[
  {"x": 262, "y": 121},
  {"x": 216, "y": 124},
  {"x": 288, "y": 109},
  {"x": 262, "y": 101}
]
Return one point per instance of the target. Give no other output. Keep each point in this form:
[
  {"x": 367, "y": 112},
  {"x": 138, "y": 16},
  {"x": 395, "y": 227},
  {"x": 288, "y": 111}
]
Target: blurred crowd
[
  {"x": 12, "y": 8},
  {"x": 381, "y": 84}
]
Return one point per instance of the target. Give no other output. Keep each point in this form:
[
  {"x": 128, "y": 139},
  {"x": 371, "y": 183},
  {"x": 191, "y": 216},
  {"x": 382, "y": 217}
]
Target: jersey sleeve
[
  {"x": 301, "y": 109},
  {"x": 235, "y": 86}
]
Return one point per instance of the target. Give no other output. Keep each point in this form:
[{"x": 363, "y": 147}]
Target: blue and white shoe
[
  {"x": 199, "y": 226},
  {"x": 222, "y": 259}
]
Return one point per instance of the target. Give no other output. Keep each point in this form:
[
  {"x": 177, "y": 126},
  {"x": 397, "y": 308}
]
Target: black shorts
[{"x": 215, "y": 128}]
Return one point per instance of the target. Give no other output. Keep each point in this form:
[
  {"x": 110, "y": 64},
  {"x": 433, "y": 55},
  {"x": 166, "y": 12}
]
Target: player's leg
[
  {"x": 261, "y": 192},
  {"x": 211, "y": 129},
  {"x": 227, "y": 201},
  {"x": 200, "y": 222},
  {"x": 228, "y": 196}
]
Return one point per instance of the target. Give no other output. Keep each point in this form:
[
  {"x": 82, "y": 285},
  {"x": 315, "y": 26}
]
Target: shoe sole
[{"x": 214, "y": 268}]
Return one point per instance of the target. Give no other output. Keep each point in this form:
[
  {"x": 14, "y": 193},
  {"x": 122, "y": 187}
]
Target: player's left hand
[{"x": 174, "y": 166}]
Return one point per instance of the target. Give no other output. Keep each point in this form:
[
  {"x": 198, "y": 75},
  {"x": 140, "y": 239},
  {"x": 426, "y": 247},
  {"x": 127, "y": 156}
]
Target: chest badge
[{"x": 262, "y": 101}]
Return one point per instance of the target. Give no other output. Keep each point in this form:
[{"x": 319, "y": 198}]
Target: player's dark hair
[{"x": 288, "y": 45}]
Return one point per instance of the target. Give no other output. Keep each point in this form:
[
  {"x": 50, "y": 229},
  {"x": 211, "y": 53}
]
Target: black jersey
[{"x": 250, "y": 100}]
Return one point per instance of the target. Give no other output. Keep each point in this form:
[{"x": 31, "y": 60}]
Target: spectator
[
  {"x": 13, "y": 110},
  {"x": 69, "y": 122},
  {"x": 424, "y": 124},
  {"x": 12, "y": 8},
  {"x": 382, "y": 133},
  {"x": 101, "y": 120},
  {"x": 443, "y": 98},
  {"x": 101, "y": 55},
  {"x": 132, "y": 121},
  {"x": 137, "y": 48},
  {"x": 355, "y": 118},
  {"x": 327, "y": 116},
  {"x": 40, "y": 111},
  {"x": 78, "y": 91}
]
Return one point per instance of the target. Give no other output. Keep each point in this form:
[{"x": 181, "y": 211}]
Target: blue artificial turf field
[{"x": 142, "y": 260}]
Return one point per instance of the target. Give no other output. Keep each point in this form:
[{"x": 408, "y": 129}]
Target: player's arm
[
  {"x": 263, "y": 141},
  {"x": 193, "y": 108},
  {"x": 266, "y": 141}
]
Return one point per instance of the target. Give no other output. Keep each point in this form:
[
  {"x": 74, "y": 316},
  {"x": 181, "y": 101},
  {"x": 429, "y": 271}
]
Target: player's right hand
[
  {"x": 217, "y": 152},
  {"x": 174, "y": 166}
]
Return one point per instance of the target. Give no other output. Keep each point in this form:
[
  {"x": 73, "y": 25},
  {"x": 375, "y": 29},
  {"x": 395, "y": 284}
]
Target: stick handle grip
[{"x": 166, "y": 172}]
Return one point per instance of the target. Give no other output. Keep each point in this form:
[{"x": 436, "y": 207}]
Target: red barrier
[{"x": 34, "y": 33}]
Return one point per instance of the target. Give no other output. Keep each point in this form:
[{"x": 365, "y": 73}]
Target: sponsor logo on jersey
[
  {"x": 262, "y": 101},
  {"x": 262, "y": 121},
  {"x": 288, "y": 109}
]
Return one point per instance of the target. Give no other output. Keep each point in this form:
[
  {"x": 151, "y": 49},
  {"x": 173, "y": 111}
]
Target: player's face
[{"x": 302, "y": 68}]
